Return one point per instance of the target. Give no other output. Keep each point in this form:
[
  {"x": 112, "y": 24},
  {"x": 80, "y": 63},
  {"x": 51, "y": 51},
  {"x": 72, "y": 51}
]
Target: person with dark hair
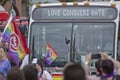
[
  {"x": 42, "y": 74},
  {"x": 15, "y": 74},
  {"x": 106, "y": 68},
  {"x": 30, "y": 72},
  {"x": 74, "y": 71}
]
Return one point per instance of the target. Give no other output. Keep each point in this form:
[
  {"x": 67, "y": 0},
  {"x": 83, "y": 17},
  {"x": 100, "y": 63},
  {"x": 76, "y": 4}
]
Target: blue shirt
[{"x": 4, "y": 67}]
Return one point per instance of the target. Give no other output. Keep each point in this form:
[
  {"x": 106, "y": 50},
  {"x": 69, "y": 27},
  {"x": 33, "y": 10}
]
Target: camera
[{"x": 96, "y": 56}]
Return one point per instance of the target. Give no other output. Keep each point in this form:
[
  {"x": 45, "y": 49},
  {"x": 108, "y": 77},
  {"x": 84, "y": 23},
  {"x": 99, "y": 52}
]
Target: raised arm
[{"x": 86, "y": 65}]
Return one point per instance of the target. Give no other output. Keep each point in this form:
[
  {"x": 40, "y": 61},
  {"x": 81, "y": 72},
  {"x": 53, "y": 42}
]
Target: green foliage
[
  {"x": 1, "y": 1},
  {"x": 44, "y": 2},
  {"x": 27, "y": 3}
]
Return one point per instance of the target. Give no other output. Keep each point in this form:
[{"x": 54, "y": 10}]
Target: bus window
[
  {"x": 95, "y": 37},
  {"x": 53, "y": 33}
]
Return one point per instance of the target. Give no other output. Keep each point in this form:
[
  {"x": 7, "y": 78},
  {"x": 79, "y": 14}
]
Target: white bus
[{"x": 73, "y": 30}]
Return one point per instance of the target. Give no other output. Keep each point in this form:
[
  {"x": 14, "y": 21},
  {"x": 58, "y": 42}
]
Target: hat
[
  {"x": 37, "y": 61},
  {"x": 34, "y": 61}
]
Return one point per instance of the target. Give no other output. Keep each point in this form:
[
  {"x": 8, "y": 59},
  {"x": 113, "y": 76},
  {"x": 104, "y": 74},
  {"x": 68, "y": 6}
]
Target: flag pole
[{"x": 9, "y": 21}]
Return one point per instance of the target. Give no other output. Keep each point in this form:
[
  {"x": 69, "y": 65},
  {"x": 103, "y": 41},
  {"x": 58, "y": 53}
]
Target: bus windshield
[{"x": 89, "y": 37}]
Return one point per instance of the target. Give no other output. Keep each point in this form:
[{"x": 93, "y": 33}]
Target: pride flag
[
  {"x": 51, "y": 54},
  {"x": 12, "y": 36},
  {"x": 57, "y": 76}
]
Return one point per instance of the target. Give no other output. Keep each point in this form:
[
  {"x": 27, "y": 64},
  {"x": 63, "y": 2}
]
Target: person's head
[
  {"x": 2, "y": 54},
  {"x": 38, "y": 64},
  {"x": 107, "y": 66},
  {"x": 74, "y": 71},
  {"x": 30, "y": 72},
  {"x": 104, "y": 66},
  {"x": 15, "y": 74}
]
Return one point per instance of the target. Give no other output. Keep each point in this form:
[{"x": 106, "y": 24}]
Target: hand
[
  {"x": 104, "y": 55},
  {"x": 44, "y": 77},
  {"x": 88, "y": 57}
]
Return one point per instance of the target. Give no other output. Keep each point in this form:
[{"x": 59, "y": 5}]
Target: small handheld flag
[{"x": 51, "y": 54}]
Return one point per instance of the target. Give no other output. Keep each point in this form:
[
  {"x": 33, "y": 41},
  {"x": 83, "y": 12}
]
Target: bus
[{"x": 73, "y": 30}]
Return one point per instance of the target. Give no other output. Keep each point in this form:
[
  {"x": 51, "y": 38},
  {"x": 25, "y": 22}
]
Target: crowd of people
[
  {"x": 106, "y": 68},
  {"x": 32, "y": 71}
]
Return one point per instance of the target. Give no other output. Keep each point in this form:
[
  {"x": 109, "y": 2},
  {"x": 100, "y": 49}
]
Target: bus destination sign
[{"x": 80, "y": 13}]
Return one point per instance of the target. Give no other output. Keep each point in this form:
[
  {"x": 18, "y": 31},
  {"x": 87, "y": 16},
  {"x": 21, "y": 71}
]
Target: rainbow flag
[
  {"x": 13, "y": 37},
  {"x": 57, "y": 76},
  {"x": 51, "y": 54}
]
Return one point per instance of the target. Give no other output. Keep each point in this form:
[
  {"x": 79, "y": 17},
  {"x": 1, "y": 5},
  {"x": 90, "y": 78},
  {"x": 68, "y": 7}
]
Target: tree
[
  {"x": 3, "y": 2},
  {"x": 16, "y": 9},
  {"x": 26, "y": 4}
]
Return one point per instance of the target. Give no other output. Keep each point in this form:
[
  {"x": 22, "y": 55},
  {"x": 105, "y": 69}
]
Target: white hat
[{"x": 34, "y": 61}]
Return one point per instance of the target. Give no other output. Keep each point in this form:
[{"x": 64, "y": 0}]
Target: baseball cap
[{"x": 34, "y": 61}]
